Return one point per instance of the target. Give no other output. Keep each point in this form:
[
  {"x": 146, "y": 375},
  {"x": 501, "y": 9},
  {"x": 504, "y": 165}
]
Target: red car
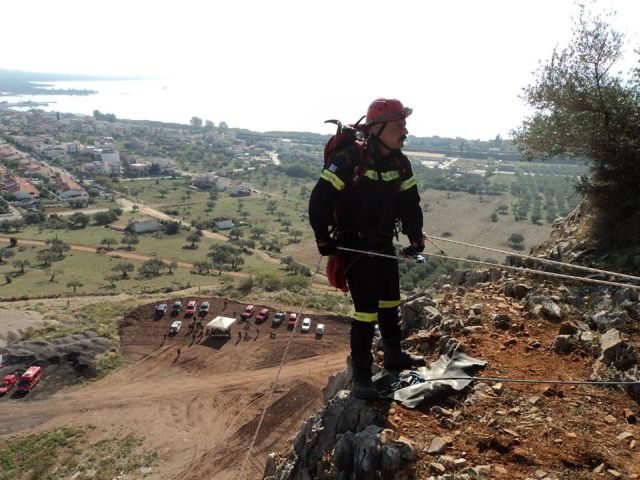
[
  {"x": 262, "y": 315},
  {"x": 8, "y": 382},
  {"x": 293, "y": 317},
  {"x": 191, "y": 308},
  {"x": 248, "y": 312}
]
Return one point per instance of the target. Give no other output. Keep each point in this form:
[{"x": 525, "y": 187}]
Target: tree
[
  {"x": 46, "y": 257},
  {"x": 196, "y": 122},
  {"x": 108, "y": 241},
  {"x": 152, "y": 267},
  {"x": 74, "y": 283},
  {"x": 57, "y": 246},
  {"x": 296, "y": 234},
  {"x": 104, "y": 218},
  {"x": 53, "y": 274},
  {"x": 235, "y": 233},
  {"x": 583, "y": 109},
  {"x": 202, "y": 266},
  {"x": 130, "y": 239},
  {"x": 5, "y": 253},
  {"x": 124, "y": 268},
  {"x": 194, "y": 238},
  {"x": 515, "y": 240},
  {"x": 225, "y": 257},
  {"x": 172, "y": 227},
  {"x": 21, "y": 264},
  {"x": 494, "y": 217},
  {"x": 171, "y": 266},
  {"x": 79, "y": 220}
]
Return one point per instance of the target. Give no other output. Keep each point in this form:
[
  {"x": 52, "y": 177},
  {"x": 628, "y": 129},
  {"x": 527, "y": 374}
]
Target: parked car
[
  {"x": 191, "y": 308},
  {"x": 278, "y": 318},
  {"x": 248, "y": 312},
  {"x": 8, "y": 382},
  {"x": 204, "y": 308},
  {"x": 161, "y": 309},
  {"x": 293, "y": 317},
  {"x": 29, "y": 378},
  {"x": 262, "y": 315},
  {"x": 176, "y": 307},
  {"x": 306, "y": 325},
  {"x": 320, "y": 329},
  {"x": 175, "y": 326}
]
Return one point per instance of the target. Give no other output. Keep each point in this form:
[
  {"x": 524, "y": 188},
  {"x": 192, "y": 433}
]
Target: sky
[{"x": 288, "y": 65}]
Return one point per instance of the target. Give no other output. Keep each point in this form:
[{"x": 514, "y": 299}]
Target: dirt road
[{"x": 198, "y": 410}]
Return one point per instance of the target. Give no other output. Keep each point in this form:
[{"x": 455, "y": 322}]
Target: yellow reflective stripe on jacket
[
  {"x": 366, "y": 317},
  {"x": 372, "y": 174},
  {"x": 408, "y": 183},
  {"x": 386, "y": 176},
  {"x": 333, "y": 179},
  {"x": 388, "y": 303},
  {"x": 390, "y": 176}
]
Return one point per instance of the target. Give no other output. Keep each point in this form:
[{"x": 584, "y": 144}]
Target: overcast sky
[{"x": 460, "y": 64}]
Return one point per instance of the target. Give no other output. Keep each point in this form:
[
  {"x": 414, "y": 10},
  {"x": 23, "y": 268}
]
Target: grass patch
[{"x": 60, "y": 454}]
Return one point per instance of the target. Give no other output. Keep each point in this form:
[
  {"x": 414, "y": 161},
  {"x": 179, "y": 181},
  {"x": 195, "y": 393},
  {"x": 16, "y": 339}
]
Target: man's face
[{"x": 394, "y": 134}]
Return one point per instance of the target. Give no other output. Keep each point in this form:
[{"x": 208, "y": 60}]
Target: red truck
[
  {"x": 8, "y": 382},
  {"x": 29, "y": 379}
]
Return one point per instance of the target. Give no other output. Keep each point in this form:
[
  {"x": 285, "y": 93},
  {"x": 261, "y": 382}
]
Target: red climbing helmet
[{"x": 386, "y": 110}]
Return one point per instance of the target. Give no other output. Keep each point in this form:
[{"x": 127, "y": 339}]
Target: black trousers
[{"x": 374, "y": 284}]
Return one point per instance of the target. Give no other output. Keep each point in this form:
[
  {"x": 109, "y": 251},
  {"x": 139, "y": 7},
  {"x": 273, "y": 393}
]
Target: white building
[{"x": 145, "y": 225}]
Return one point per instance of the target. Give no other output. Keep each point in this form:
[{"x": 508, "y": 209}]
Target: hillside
[{"x": 528, "y": 419}]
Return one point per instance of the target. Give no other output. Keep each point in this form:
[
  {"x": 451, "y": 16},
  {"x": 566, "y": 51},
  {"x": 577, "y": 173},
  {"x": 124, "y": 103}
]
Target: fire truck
[{"x": 29, "y": 379}]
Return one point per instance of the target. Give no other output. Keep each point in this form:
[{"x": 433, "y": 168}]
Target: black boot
[
  {"x": 361, "y": 384},
  {"x": 396, "y": 359}
]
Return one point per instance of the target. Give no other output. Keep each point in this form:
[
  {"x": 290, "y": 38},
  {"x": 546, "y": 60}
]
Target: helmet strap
[{"x": 384, "y": 125}]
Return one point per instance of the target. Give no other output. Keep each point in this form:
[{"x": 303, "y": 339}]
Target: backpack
[{"x": 347, "y": 136}]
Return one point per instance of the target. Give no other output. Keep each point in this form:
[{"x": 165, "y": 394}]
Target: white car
[
  {"x": 320, "y": 329},
  {"x": 175, "y": 326},
  {"x": 306, "y": 325}
]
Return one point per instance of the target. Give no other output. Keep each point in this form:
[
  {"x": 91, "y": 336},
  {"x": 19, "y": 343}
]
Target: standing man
[{"x": 357, "y": 203}]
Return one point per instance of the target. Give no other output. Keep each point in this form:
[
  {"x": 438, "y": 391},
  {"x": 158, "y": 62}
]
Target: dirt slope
[{"x": 197, "y": 410}]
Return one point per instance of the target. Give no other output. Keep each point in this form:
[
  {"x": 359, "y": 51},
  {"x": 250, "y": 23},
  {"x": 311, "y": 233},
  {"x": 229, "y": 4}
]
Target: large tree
[{"x": 585, "y": 109}]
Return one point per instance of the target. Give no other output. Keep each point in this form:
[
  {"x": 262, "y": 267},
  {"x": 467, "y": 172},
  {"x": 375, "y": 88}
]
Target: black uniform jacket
[{"x": 364, "y": 203}]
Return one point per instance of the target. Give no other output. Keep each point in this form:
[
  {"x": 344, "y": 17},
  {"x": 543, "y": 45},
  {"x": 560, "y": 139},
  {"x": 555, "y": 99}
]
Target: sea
[{"x": 170, "y": 101}]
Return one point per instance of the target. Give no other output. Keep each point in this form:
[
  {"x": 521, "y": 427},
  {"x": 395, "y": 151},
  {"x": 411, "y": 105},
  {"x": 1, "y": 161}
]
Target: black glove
[
  {"x": 327, "y": 246},
  {"x": 417, "y": 244}
]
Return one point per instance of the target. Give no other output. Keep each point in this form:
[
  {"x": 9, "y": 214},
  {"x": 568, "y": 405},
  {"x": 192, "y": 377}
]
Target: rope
[
  {"x": 493, "y": 265},
  {"x": 543, "y": 260},
  {"x": 275, "y": 380},
  {"x": 528, "y": 380}
]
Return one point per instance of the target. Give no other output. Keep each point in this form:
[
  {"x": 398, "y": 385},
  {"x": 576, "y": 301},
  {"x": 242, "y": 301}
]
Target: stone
[
  {"x": 343, "y": 452},
  {"x": 270, "y": 467},
  {"x": 437, "y": 446},
  {"x": 540, "y": 474},
  {"x": 533, "y": 344},
  {"x": 615, "y": 350},
  {"x": 366, "y": 451},
  {"x": 473, "y": 330},
  {"x": 568, "y": 328},
  {"x": 474, "y": 321},
  {"x": 437, "y": 467},
  {"x": 625, "y": 436},
  {"x": 562, "y": 344},
  {"x": 390, "y": 460},
  {"x": 459, "y": 463},
  {"x": 501, "y": 321},
  {"x": 599, "y": 469},
  {"x": 447, "y": 461},
  {"x": 477, "y": 308},
  {"x": 551, "y": 310}
]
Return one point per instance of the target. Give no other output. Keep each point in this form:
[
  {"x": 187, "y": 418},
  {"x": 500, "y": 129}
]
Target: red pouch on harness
[{"x": 337, "y": 272}]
